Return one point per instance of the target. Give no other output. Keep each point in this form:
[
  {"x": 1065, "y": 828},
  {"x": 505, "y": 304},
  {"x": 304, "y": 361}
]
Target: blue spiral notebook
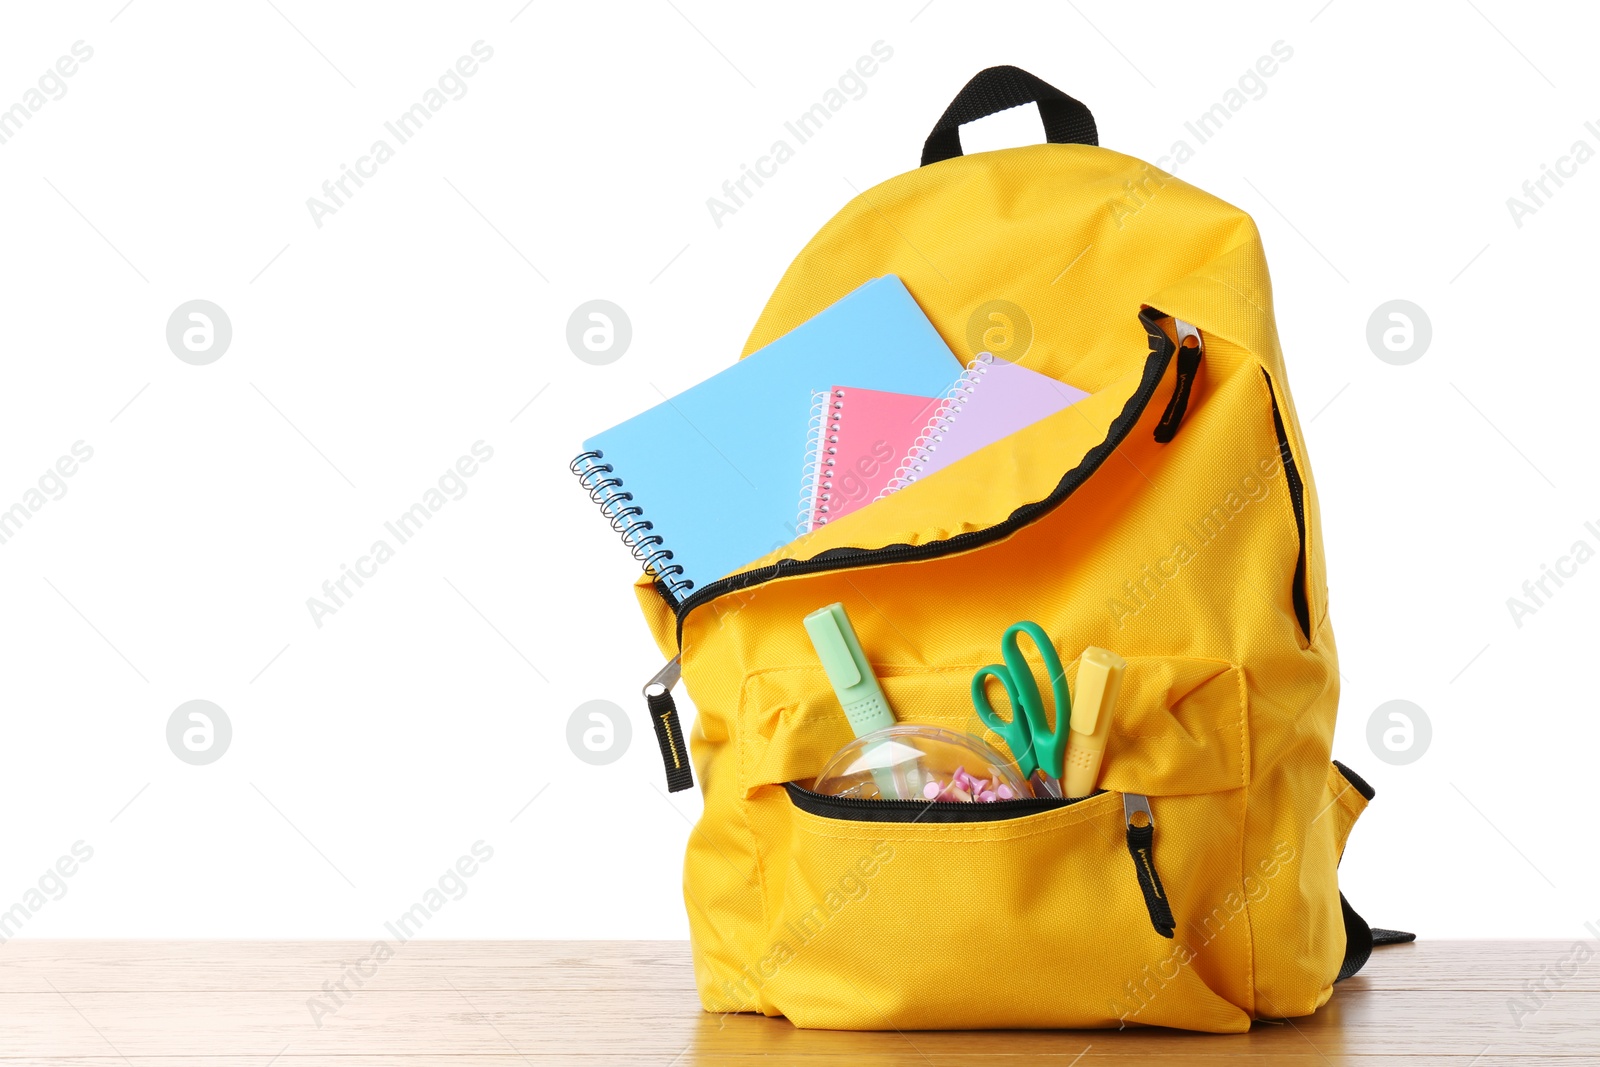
[{"x": 703, "y": 484}]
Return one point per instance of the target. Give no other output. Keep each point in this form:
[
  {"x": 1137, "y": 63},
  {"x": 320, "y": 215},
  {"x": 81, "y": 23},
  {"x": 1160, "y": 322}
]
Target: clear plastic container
[{"x": 908, "y": 762}]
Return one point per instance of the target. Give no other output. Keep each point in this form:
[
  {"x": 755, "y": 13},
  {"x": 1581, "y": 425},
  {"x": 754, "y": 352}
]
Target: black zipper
[
  {"x": 1297, "y": 497},
  {"x": 852, "y": 809},
  {"x": 1140, "y": 828},
  {"x": 1161, "y": 352}
]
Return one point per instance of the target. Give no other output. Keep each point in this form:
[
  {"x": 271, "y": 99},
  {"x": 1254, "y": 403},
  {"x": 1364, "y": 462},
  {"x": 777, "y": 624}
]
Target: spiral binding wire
[
  {"x": 821, "y": 433},
  {"x": 627, "y": 520},
  {"x": 927, "y": 442}
]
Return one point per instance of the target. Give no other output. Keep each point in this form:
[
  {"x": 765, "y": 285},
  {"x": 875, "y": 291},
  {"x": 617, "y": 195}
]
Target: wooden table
[{"x": 496, "y": 1004}]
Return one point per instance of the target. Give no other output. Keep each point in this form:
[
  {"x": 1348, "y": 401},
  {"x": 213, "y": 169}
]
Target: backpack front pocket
[
  {"x": 1179, "y": 725},
  {"x": 1005, "y": 918}
]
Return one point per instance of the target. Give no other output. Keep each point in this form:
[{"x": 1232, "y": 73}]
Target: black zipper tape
[
  {"x": 1297, "y": 497},
  {"x": 1162, "y": 349},
  {"x": 853, "y": 809}
]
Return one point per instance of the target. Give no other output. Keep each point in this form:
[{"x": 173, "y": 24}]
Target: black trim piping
[{"x": 1162, "y": 349}]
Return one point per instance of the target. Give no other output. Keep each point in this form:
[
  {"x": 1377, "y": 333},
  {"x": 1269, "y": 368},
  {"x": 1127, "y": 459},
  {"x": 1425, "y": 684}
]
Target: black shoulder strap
[
  {"x": 1381, "y": 937},
  {"x": 1360, "y": 939},
  {"x": 1357, "y": 941}
]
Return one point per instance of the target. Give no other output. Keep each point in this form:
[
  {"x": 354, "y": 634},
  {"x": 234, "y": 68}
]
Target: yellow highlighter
[{"x": 1099, "y": 681}]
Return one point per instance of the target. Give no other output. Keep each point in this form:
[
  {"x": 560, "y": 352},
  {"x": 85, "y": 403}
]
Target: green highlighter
[{"x": 846, "y": 665}]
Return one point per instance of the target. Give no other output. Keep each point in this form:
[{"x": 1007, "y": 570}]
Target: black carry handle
[{"x": 1066, "y": 121}]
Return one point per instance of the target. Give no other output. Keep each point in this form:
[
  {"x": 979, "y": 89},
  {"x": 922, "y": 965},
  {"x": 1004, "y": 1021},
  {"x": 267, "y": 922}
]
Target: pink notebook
[
  {"x": 858, "y": 437},
  {"x": 992, "y": 400}
]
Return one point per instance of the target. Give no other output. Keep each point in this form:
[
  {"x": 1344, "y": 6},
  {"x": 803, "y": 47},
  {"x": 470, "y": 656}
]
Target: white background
[{"x": 369, "y": 353}]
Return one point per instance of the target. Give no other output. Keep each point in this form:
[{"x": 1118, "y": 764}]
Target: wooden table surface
[{"x": 495, "y": 1004}]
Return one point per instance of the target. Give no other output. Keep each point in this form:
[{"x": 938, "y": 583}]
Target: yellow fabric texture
[{"x": 1181, "y": 557}]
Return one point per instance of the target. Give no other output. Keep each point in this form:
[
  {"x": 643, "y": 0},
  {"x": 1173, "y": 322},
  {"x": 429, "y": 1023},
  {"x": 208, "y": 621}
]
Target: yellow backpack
[{"x": 1170, "y": 516}]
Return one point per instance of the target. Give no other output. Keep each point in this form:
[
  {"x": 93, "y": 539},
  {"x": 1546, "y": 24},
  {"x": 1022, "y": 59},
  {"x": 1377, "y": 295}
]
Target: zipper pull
[
  {"x": 667, "y": 676},
  {"x": 1185, "y": 331},
  {"x": 1141, "y": 841},
  {"x": 1190, "y": 348},
  {"x": 664, "y": 718}
]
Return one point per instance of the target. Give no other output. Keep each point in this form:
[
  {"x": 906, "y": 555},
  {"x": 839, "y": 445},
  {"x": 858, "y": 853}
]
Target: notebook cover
[
  {"x": 864, "y": 433},
  {"x": 994, "y": 399},
  {"x": 713, "y": 469}
]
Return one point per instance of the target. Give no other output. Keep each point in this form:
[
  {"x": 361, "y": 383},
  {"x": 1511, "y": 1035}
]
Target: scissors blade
[{"x": 1044, "y": 785}]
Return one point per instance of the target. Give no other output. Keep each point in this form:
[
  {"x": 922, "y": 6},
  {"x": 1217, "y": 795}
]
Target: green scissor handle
[{"x": 1028, "y": 733}]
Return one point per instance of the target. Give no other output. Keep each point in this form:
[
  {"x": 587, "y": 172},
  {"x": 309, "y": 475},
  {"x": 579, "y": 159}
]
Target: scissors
[{"x": 1036, "y": 746}]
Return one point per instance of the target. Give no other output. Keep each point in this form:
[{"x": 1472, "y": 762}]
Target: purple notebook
[{"x": 991, "y": 400}]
